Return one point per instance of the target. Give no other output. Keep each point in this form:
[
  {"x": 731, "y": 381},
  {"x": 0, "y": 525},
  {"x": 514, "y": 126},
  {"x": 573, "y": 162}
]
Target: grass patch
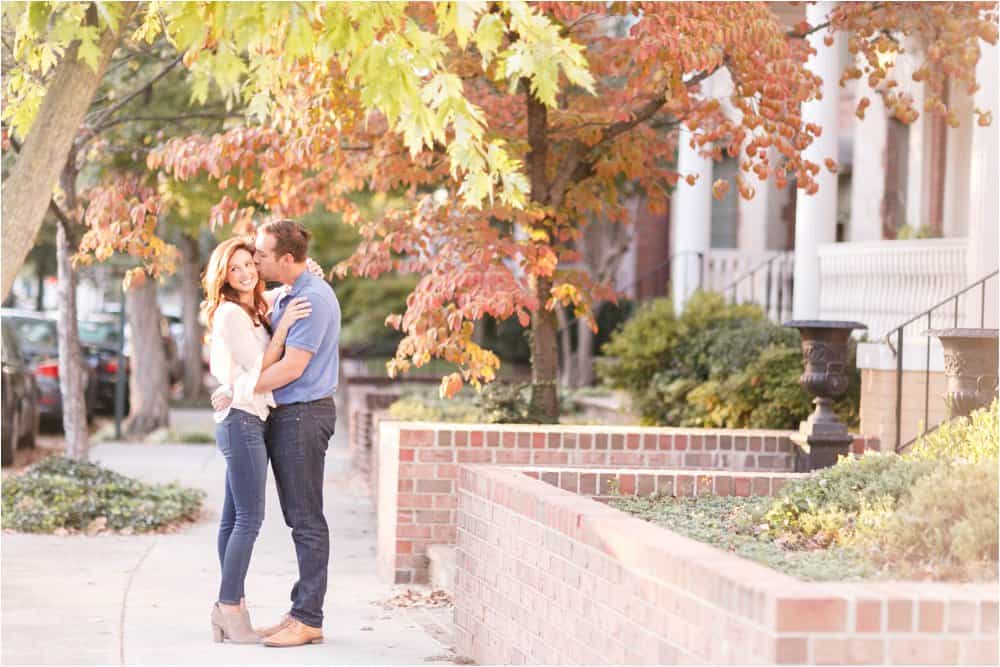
[
  {"x": 196, "y": 438},
  {"x": 63, "y": 494},
  {"x": 736, "y": 525}
]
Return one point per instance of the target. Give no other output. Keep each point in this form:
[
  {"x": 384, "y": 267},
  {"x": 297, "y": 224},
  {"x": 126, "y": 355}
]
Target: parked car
[
  {"x": 19, "y": 419},
  {"x": 38, "y": 339},
  {"x": 100, "y": 335},
  {"x": 175, "y": 365}
]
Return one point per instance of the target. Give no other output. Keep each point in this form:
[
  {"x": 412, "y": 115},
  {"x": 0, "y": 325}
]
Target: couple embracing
[{"x": 275, "y": 355}]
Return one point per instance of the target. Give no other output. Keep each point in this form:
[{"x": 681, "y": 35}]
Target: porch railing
[
  {"x": 965, "y": 307},
  {"x": 881, "y": 283},
  {"x": 768, "y": 284}
]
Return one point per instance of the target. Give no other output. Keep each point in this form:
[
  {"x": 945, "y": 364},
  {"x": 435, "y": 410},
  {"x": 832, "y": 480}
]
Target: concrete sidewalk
[{"x": 145, "y": 600}]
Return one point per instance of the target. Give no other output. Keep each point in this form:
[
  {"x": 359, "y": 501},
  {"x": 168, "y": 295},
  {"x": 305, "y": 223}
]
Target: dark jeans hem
[{"x": 304, "y": 622}]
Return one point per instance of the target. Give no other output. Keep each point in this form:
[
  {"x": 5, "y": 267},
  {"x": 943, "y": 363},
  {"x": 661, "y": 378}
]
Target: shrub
[
  {"x": 497, "y": 403},
  {"x": 971, "y": 439},
  {"x": 63, "y": 493},
  {"x": 659, "y": 358},
  {"x": 717, "y": 365},
  {"x": 826, "y": 505},
  {"x": 421, "y": 408},
  {"x": 947, "y": 527},
  {"x": 766, "y": 393},
  {"x": 503, "y": 403}
]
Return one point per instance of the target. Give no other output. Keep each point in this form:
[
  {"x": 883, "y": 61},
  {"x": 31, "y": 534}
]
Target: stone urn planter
[
  {"x": 970, "y": 368},
  {"x": 823, "y": 437}
]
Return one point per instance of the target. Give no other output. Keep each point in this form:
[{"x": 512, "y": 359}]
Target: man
[{"x": 303, "y": 383}]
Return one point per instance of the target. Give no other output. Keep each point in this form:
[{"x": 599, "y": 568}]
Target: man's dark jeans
[
  {"x": 297, "y": 438},
  {"x": 241, "y": 440}
]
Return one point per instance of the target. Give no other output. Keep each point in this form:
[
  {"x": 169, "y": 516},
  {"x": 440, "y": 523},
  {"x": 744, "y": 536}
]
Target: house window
[{"x": 725, "y": 212}]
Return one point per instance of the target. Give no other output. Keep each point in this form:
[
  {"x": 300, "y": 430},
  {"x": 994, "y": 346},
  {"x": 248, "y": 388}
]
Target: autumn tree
[
  {"x": 583, "y": 136},
  {"x": 244, "y": 50},
  {"x": 247, "y": 50},
  {"x": 105, "y": 149}
]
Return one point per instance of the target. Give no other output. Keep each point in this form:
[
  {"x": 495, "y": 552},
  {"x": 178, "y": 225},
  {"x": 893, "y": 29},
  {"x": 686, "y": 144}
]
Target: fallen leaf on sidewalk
[{"x": 412, "y": 598}]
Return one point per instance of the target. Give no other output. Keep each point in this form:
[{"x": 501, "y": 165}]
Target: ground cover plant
[
  {"x": 731, "y": 524},
  {"x": 61, "y": 493},
  {"x": 929, "y": 514}
]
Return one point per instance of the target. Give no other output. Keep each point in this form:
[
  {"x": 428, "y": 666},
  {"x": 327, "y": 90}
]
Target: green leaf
[
  {"x": 300, "y": 40},
  {"x": 466, "y": 13},
  {"x": 88, "y": 50},
  {"x": 186, "y": 27},
  {"x": 200, "y": 80},
  {"x": 489, "y": 35},
  {"x": 110, "y": 13},
  {"x": 228, "y": 68},
  {"x": 38, "y": 16},
  {"x": 260, "y": 106}
]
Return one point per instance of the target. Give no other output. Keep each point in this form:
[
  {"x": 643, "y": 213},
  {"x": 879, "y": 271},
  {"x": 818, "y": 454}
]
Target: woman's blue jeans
[{"x": 240, "y": 438}]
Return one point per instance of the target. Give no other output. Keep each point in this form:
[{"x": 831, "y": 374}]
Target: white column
[
  {"x": 958, "y": 148},
  {"x": 816, "y": 215},
  {"x": 690, "y": 220},
  {"x": 753, "y": 214},
  {"x": 984, "y": 172},
  {"x": 869, "y": 167}
]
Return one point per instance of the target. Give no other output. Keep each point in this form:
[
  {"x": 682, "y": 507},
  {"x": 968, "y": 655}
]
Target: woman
[{"x": 242, "y": 345}]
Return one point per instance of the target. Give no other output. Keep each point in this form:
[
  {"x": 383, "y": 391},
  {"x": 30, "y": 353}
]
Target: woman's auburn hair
[{"x": 218, "y": 290}]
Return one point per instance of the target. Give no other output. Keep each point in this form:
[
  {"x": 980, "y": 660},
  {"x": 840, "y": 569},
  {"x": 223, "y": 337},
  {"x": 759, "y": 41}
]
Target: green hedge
[
  {"x": 717, "y": 365},
  {"x": 63, "y": 493}
]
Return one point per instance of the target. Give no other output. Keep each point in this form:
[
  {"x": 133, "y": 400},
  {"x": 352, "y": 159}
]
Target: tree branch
[
  {"x": 579, "y": 161},
  {"x": 795, "y": 34},
  {"x": 105, "y": 114},
  {"x": 209, "y": 115}
]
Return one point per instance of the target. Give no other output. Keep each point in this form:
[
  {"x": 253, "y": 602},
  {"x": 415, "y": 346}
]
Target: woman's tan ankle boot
[{"x": 233, "y": 626}]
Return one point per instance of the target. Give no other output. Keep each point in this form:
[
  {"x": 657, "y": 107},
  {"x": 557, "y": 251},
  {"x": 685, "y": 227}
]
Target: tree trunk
[
  {"x": 148, "y": 376},
  {"x": 40, "y": 296},
  {"x": 28, "y": 187},
  {"x": 544, "y": 405},
  {"x": 584, "y": 353},
  {"x": 72, "y": 372},
  {"x": 194, "y": 381}
]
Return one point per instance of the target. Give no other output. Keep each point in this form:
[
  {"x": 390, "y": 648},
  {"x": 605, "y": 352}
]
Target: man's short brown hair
[{"x": 289, "y": 237}]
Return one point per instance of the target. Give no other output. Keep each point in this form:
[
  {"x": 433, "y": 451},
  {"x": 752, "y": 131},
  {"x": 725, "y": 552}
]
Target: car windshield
[
  {"x": 36, "y": 333},
  {"x": 98, "y": 333}
]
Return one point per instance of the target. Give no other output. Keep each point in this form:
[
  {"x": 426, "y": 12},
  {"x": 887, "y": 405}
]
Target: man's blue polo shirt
[{"x": 319, "y": 333}]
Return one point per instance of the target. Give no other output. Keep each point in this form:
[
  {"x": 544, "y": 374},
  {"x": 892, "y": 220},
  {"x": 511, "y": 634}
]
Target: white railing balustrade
[{"x": 883, "y": 283}]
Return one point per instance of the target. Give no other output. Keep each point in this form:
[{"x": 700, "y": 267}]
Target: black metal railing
[
  {"x": 777, "y": 301},
  {"x": 940, "y": 313}
]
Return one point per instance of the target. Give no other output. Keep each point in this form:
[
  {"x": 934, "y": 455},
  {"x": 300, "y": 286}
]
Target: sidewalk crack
[{"x": 128, "y": 587}]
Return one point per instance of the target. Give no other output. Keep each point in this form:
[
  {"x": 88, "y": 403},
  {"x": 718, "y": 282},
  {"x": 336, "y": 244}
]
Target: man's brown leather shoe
[
  {"x": 295, "y": 633},
  {"x": 267, "y": 632}
]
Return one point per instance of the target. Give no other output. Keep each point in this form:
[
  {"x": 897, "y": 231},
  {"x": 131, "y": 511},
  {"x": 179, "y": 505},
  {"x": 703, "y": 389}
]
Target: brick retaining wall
[
  {"x": 417, "y": 465},
  {"x": 546, "y": 576}
]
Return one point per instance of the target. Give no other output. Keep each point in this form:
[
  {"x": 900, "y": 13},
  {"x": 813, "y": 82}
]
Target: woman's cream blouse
[{"x": 236, "y": 357}]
